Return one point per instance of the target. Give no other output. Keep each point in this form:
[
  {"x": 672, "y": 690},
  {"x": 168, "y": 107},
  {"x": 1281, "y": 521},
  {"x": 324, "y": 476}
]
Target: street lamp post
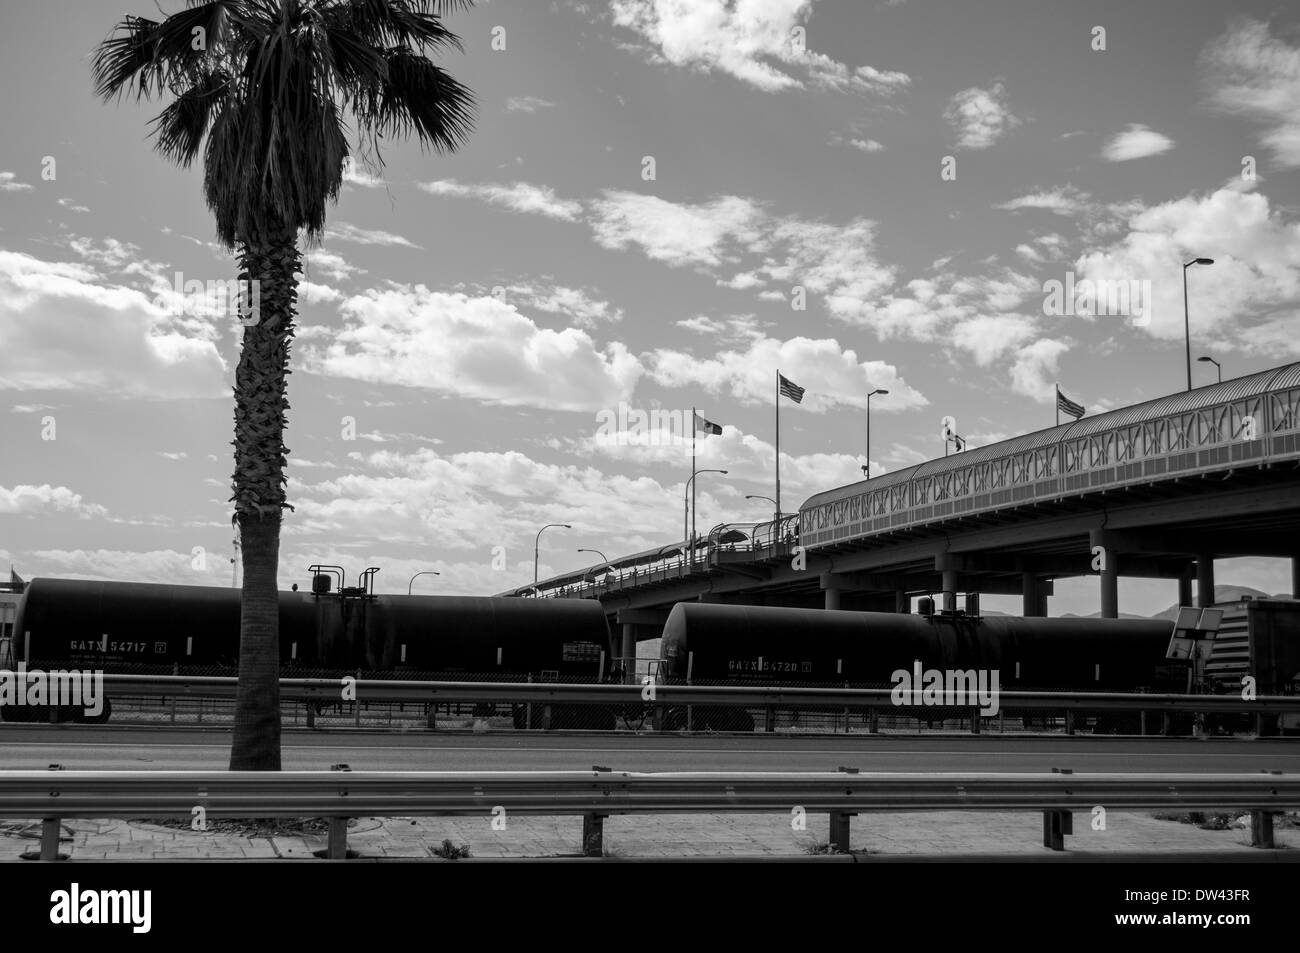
[
  {"x": 1217, "y": 366},
  {"x": 538, "y": 542},
  {"x": 690, "y": 538},
  {"x": 776, "y": 520},
  {"x": 423, "y": 572},
  {"x": 598, "y": 553},
  {"x": 867, "y": 469},
  {"x": 1187, "y": 327}
]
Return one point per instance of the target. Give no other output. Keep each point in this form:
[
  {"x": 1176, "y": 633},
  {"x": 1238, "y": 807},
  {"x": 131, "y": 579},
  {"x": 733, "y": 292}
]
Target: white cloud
[
  {"x": 353, "y": 175},
  {"x": 832, "y": 375},
  {"x": 518, "y": 197},
  {"x": 1254, "y": 74},
  {"x": 1034, "y": 372},
  {"x": 579, "y": 305},
  {"x": 751, "y": 41},
  {"x": 705, "y": 234},
  {"x": 71, "y": 206},
  {"x": 527, "y": 104},
  {"x": 1253, "y": 285},
  {"x": 160, "y": 565},
  {"x": 479, "y": 348},
  {"x": 9, "y": 183},
  {"x": 980, "y": 116},
  {"x": 27, "y": 500},
  {"x": 346, "y": 232},
  {"x": 174, "y": 455},
  {"x": 1136, "y": 142},
  {"x": 1066, "y": 200},
  {"x": 334, "y": 266},
  {"x": 66, "y": 328},
  {"x": 990, "y": 336},
  {"x": 866, "y": 145}
]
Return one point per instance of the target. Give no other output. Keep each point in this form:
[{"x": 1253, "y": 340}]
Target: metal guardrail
[
  {"x": 597, "y": 794},
  {"x": 398, "y": 691}
]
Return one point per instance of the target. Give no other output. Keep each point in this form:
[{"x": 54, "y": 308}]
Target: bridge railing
[{"x": 595, "y": 795}]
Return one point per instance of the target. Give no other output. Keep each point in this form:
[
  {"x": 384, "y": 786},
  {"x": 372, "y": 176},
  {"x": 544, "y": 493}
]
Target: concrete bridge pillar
[
  {"x": 1205, "y": 580},
  {"x": 1295, "y": 577},
  {"x": 902, "y": 602},
  {"x": 831, "y": 588},
  {"x": 1105, "y": 562},
  {"x": 1185, "y": 589},
  {"x": 950, "y": 584},
  {"x": 628, "y": 651},
  {"x": 1032, "y": 598}
]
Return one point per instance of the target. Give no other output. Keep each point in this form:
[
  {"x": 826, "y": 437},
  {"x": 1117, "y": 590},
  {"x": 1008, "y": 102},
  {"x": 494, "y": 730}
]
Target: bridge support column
[
  {"x": 1295, "y": 577},
  {"x": 832, "y": 591},
  {"x": 1205, "y": 580},
  {"x": 902, "y": 602},
  {"x": 1110, "y": 589},
  {"x": 628, "y": 651},
  {"x": 1105, "y": 562},
  {"x": 1185, "y": 589},
  {"x": 1031, "y": 596},
  {"x": 950, "y": 584}
]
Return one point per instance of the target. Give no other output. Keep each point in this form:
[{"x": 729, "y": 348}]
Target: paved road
[{"x": 171, "y": 749}]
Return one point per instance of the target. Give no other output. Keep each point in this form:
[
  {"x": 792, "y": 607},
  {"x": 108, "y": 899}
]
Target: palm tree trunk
[{"x": 271, "y": 258}]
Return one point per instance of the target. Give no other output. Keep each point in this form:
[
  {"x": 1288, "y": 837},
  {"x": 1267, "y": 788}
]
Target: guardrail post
[
  {"x": 1261, "y": 829},
  {"x": 337, "y": 846},
  {"x": 974, "y": 721},
  {"x": 769, "y": 719},
  {"x": 50, "y": 828},
  {"x": 873, "y": 724},
  {"x": 1261, "y": 826},
  {"x": 1057, "y": 824},
  {"x": 839, "y": 833},
  {"x": 1069, "y": 722},
  {"x": 431, "y": 716},
  {"x": 311, "y": 712},
  {"x": 593, "y": 835}
]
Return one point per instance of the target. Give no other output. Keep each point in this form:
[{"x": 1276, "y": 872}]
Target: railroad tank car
[
  {"x": 763, "y": 645},
  {"x": 149, "y": 628},
  {"x": 766, "y": 644}
]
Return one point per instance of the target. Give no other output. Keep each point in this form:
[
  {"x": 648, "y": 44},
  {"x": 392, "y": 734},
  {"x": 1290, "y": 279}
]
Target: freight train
[
  {"x": 142, "y": 628},
  {"x": 138, "y": 628},
  {"x": 758, "y": 645}
]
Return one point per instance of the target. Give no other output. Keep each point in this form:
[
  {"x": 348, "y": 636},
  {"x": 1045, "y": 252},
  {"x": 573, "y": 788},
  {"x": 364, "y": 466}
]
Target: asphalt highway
[{"x": 159, "y": 749}]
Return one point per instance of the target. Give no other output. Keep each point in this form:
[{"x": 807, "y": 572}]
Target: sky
[{"x": 661, "y": 204}]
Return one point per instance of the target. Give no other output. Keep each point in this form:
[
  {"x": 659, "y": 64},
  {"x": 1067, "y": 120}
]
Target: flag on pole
[
  {"x": 789, "y": 389},
  {"x": 706, "y": 426},
  {"x": 1065, "y": 405}
]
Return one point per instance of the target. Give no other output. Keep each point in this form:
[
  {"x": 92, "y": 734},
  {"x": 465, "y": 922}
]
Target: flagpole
[
  {"x": 776, "y": 525},
  {"x": 693, "y": 429},
  {"x": 1058, "y": 405}
]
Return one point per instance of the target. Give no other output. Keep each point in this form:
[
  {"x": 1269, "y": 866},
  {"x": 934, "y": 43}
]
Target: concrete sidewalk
[{"x": 709, "y": 835}]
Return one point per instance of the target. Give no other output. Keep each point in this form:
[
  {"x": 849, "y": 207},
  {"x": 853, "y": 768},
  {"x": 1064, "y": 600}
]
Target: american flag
[
  {"x": 1065, "y": 405},
  {"x": 791, "y": 390}
]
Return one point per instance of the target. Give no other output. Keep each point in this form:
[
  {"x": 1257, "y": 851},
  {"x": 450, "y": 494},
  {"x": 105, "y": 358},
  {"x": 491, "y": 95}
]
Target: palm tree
[{"x": 268, "y": 84}]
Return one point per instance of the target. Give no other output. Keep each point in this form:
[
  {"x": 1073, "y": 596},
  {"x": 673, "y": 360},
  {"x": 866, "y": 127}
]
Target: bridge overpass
[{"x": 1158, "y": 489}]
